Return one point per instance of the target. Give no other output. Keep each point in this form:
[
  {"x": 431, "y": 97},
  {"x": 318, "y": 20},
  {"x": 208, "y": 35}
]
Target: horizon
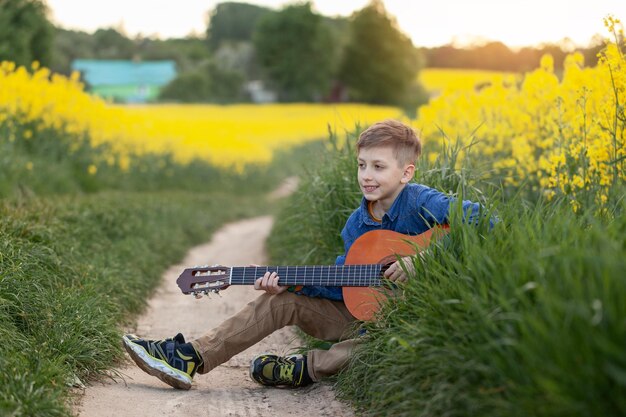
[{"x": 436, "y": 25}]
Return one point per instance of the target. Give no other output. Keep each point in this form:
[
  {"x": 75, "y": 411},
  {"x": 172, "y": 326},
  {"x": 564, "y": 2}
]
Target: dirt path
[{"x": 226, "y": 390}]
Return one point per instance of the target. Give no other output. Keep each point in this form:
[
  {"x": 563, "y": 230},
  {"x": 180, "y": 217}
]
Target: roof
[{"x": 119, "y": 72}]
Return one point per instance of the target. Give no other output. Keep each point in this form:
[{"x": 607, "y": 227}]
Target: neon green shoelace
[{"x": 286, "y": 372}]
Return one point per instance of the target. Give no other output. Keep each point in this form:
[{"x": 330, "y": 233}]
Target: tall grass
[
  {"x": 307, "y": 229},
  {"x": 525, "y": 318}
]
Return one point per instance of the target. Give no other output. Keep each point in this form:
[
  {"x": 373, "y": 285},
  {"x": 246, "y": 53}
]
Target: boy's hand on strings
[
  {"x": 396, "y": 271},
  {"x": 269, "y": 284}
]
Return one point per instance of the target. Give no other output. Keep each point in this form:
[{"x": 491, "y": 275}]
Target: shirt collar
[{"x": 392, "y": 214}]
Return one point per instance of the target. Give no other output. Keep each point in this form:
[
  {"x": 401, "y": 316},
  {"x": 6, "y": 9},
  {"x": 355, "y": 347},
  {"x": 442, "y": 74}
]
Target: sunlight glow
[{"x": 432, "y": 24}]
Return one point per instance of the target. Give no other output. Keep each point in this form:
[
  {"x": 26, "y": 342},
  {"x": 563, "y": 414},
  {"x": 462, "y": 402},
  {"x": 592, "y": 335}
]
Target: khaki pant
[{"x": 321, "y": 318}]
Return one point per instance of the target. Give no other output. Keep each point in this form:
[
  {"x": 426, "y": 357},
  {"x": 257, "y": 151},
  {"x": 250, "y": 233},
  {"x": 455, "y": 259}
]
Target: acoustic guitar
[{"x": 361, "y": 278}]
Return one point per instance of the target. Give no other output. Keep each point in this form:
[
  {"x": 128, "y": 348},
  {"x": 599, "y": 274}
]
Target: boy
[{"x": 387, "y": 152}]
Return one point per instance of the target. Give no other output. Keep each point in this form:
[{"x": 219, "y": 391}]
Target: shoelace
[{"x": 285, "y": 371}]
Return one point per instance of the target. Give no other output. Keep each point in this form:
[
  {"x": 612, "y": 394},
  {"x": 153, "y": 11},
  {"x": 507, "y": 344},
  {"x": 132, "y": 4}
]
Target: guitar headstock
[{"x": 205, "y": 279}]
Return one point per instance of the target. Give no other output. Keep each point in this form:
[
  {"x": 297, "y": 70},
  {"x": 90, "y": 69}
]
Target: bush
[{"x": 207, "y": 84}]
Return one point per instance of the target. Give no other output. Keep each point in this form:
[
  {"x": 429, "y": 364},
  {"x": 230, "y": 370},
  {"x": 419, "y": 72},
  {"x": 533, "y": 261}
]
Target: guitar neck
[{"x": 330, "y": 276}]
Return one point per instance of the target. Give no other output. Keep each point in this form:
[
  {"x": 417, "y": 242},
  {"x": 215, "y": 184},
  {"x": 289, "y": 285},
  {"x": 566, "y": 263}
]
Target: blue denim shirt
[{"x": 416, "y": 209}]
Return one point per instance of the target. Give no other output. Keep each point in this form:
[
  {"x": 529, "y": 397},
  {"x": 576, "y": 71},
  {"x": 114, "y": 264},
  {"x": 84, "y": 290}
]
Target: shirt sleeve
[{"x": 435, "y": 208}]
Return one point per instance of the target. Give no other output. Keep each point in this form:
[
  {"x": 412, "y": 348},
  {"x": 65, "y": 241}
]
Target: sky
[{"x": 428, "y": 23}]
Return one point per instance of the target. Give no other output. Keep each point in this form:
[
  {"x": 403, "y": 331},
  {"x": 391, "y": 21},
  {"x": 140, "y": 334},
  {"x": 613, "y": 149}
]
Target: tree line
[
  {"x": 304, "y": 56},
  {"x": 497, "y": 56},
  {"x": 295, "y": 52}
]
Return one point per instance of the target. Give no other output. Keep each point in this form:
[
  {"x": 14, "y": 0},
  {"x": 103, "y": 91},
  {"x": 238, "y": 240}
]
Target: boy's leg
[
  {"x": 323, "y": 363},
  {"x": 318, "y": 317}
]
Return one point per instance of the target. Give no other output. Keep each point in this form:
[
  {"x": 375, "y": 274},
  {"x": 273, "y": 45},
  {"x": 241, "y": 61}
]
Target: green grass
[
  {"x": 527, "y": 318},
  {"x": 74, "y": 268},
  {"x": 80, "y": 254}
]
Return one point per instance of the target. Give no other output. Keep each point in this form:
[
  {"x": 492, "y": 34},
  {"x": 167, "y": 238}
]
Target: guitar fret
[
  {"x": 328, "y": 274},
  {"x": 325, "y": 275}
]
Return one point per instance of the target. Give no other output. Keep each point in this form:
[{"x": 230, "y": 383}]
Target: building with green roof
[{"x": 125, "y": 81}]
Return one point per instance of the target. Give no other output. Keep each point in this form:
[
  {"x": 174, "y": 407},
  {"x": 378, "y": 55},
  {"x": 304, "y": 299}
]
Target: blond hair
[{"x": 400, "y": 137}]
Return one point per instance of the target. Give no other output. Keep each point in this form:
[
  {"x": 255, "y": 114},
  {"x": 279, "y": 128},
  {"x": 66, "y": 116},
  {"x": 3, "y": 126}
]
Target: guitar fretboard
[{"x": 330, "y": 276}]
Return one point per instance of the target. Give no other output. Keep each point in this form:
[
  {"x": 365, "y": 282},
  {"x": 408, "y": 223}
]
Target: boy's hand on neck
[
  {"x": 269, "y": 283},
  {"x": 396, "y": 271}
]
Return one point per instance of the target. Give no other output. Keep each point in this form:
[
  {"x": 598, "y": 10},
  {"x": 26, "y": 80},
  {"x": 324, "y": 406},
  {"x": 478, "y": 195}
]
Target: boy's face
[{"x": 381, "y": 177}]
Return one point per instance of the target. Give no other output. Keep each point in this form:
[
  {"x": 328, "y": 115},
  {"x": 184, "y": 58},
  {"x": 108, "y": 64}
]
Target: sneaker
[
  {"x": 171, "y": 360},
  {"x": 275, "y": 370}
]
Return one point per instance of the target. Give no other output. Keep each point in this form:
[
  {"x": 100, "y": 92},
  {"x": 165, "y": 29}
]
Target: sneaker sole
[{"x": 156, "y": 367}]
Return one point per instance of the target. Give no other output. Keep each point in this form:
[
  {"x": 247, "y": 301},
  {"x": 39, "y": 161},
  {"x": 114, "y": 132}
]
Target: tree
[
  {"x": 111, "y": 44},
  {"x": 296, "y": 52},
  {"x": 380, "y": 63},
  {"x": 68, "y": 46},
  {"x": 494, "y": 55},
  {"x": 189, "y": 53},
  {"x": 189, "y": 87},
  {"x": 233, "y": 22},
  {"x": 26, "y": 35}
]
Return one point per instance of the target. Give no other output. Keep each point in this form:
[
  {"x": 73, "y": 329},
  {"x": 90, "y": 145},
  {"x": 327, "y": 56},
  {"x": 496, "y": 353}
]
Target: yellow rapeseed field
[
  {"x": 226, "y": 136},
  {"x": 444, "y": 81},
  {"x": 559, "y": 135},
  {"x": 241, "y": 134}
]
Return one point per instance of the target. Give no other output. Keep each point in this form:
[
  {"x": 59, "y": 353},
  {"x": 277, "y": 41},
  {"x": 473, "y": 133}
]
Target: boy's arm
[{"x": 435, "y": 206}]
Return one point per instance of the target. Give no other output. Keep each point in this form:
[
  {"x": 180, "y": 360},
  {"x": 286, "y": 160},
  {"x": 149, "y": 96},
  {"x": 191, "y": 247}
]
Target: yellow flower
[
  {"x": 577, "y": 181},
  {"x": 92, "y": 169}
]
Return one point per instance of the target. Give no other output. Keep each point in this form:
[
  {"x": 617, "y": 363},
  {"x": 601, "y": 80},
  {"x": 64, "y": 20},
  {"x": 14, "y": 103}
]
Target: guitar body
[{"x": 379, "y": 247}]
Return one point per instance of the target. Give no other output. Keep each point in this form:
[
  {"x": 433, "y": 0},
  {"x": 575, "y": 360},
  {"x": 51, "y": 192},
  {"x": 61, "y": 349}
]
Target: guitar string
[
  {"x": 356, "y": 275},
  {"x": 317, "y": 273}
]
